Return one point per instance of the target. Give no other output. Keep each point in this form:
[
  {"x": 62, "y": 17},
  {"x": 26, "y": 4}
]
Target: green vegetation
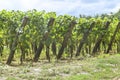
[
  {"x": 57, "y": 37},
  {"x": 77, "y": 48}
]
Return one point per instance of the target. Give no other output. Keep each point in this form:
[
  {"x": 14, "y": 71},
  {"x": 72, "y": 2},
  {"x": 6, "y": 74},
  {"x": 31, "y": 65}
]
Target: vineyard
[{"x": 36, "y": 35}]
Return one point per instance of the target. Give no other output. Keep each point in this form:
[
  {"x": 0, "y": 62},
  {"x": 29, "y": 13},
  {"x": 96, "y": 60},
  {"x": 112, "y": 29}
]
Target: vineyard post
[
  {"x": 113, "y": 38},
  {"x": 66, "y": 37},
  {"x": 41, "y": 45},
  {"x": 86, "y": 34},
  {"x": 14, "y": 44},
  {"x": 99, "y": 40}
]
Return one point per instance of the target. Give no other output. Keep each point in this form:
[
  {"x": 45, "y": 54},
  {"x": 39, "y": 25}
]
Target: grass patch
[
  {"x": 11, "y": 78},
  {"x": 103, "y": 67},
  {"x": 79, "y": 77}
]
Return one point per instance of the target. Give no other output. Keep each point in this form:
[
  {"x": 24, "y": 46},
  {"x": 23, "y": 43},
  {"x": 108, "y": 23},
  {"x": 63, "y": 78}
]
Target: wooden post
[
  {"x": 14, "y": 44},
  {"x": 99, "y": 40},
  {"x": 84, "y": 38},
  {"x": 113, "y": 38},
  {"x": 41, "y": 45},
  {"x": 66, "y": 37}
]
